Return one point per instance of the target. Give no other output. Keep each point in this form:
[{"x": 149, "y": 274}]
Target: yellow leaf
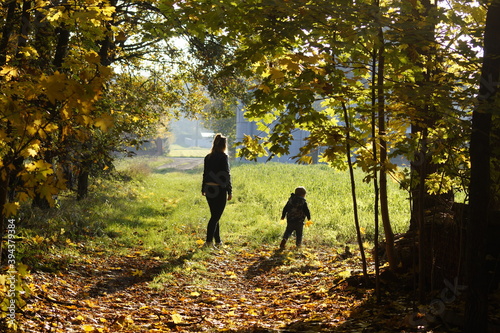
[
  {"x": 90, "y": 304},
  {"x": 88, "y": 328},
  {"x": 40, "y": 165},
  {"x": 176, "y": 318},
  {"x": 200, "y": 242},
  {"x": 252, "y": 312},
  {"x": 105, "y": 122},
  {"x": 69, "y": 242},
  {"x": 258, "y": 290},
  {"x": 32, "y": 150},
  {"x": 55, "y": 86},
  {"x": 345, "y": 274},
  {"x": 8, "y": 72},
  {"x": 23, "y": 270},
  {"x": 362, "y": 230},
  {"x": 195, "y": 293},
  {"x": 93, "y": 57},
  {"x": 290, "y": 64},
  {"x": 309, "y": 223},
  {"x": 137, "y": 272},
  {"x": 79, "y": 318},
  {"x": 231, "y": 274},
  {"x": 266, "y": 89},
  {"x": 10, "y": 208}
]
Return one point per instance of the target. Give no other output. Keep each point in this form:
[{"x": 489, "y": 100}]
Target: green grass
[
  {"x": 171, "y": 204},
  {"x": 164, "y": 214},
  {"x": 179, "y": 151}
]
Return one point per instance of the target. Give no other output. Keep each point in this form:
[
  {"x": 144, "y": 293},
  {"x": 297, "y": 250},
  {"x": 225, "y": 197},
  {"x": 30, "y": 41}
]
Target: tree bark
[
  {"x": 353, "y": 192},
  {"x": 83, "y": 184},
  {"x": 8, "y": 28},
  {"x": 375, "y": 180},
  {"x": 384, "y": 202},
  {"x": 476, "y": 315}
]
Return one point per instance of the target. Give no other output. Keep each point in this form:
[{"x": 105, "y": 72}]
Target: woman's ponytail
[{"x": 219, "y": 143}]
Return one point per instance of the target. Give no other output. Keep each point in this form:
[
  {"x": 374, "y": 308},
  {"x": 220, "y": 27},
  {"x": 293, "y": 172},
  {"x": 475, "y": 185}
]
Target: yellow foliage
[
  {"x": 88, "y": 328},
  {"x": 10, "y": 208},
  {"x": 137, "y": 272},
  {"x": 104, "y": 122},
  {"x": 8, "y": 72},
  {"x": 176, "y": 318},
  {"x": 40, "y": 165}
]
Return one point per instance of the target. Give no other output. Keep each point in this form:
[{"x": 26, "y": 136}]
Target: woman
[{"x": 216, "y": 186}]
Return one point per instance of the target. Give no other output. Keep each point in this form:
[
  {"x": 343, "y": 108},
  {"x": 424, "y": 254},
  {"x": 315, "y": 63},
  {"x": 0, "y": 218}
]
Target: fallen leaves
[{"x": 244, "y": 289}]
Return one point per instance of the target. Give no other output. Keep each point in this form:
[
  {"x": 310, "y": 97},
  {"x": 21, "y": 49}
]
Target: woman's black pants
[{"x": 217, "y": 199}]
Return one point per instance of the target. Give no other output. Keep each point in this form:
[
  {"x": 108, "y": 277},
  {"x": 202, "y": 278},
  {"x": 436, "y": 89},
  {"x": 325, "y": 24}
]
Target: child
[{"x": 295, "y": 211}]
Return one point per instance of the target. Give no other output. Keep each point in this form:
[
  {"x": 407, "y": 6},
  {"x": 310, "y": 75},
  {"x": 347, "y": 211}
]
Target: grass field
[
  {"x": 179, "y": 151},
  {"x": 164, "y": 213}
]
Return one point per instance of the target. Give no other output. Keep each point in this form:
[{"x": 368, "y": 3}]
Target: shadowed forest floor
[{"x": 228, "y": 290}]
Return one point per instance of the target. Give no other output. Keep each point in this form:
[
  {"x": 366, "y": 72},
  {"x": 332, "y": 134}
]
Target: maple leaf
[
  {"x": 10, "y": 208},
  {"x": 137, "y": 272},
  {"x": 176, "y": 318},
  {"x": 55, "y": 86},
  {"x": 47, "y": 191},
  {"x": 40, "y": 165},
  {"x": 79, "y": 319},
  {"x": 105, "y": 122},
  {"x": 345, "y": 274},
  {"x": 88, "y": 328},
  {"x": 9, "y": 72},
  {"x": 309, "y": 223}
]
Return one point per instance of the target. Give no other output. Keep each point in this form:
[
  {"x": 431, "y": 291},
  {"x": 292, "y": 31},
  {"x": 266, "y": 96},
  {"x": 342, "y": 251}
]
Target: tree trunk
[
  {"x": 375, "y": 180},
  {"x": 25, "y": 28},
  {"x": 159, "y": 147},
  {"x": 83, "y": 184},
  {"x": 476, "y": 315},
  {"x": 384, "y": 203},
  {"x": 8, "y": 28},
  {"x": 353, "y": 192}
]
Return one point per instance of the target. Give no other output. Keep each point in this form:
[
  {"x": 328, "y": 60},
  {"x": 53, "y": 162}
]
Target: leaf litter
[{"x": 227, "y": 290}]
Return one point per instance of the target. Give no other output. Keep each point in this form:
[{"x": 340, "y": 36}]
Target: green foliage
[{"x": 298, "y": 53}]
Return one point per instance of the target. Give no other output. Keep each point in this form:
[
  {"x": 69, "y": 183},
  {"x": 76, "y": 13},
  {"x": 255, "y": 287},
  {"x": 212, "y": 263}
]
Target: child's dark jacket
[{"x": 296, "y": 210}]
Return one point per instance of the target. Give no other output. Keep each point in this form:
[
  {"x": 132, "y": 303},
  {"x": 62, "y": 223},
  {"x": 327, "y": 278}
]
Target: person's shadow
[{"x": 265, "y": 264}]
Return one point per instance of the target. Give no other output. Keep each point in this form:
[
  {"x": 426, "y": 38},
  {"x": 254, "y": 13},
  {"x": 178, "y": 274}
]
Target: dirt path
[
  {"x": 182, "y": 163},
  {"x": 231, "y": 290}
]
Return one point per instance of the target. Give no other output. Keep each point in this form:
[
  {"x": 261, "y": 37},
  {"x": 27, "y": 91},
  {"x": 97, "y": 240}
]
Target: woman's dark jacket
[{"x": 216, "y": 170}]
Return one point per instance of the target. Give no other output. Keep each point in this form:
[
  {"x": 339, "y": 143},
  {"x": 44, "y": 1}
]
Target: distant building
[
  {"x": 246, "y": 127},
  {"x": 190, "y": 133}
]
